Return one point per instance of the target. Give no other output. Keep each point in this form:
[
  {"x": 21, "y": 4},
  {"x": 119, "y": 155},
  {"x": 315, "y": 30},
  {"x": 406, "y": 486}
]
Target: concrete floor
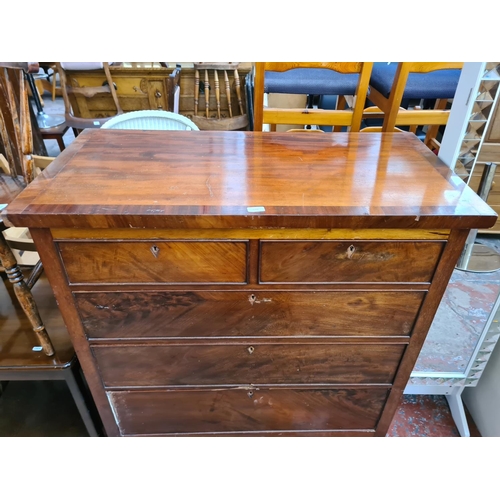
[
  {"x": 46, "y": 408},
  {"x": 41, "y": 408}
]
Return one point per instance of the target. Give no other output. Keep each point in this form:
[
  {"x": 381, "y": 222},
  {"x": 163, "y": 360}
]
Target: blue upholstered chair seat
[
  {"x": 315, "y": 81},
  {"x": 440, "y": 84}
]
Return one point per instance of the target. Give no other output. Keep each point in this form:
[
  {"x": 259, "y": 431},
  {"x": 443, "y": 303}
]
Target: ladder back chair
[
  {"x": 70, "y": 88},
  {"x": 392, "y": 83},
  {"x": 318, "y": 78},
  {"x": 221, "y": 110}
]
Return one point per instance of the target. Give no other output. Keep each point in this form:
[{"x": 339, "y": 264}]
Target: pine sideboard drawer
[
  {"x": 243, "y": 364},
  {"x": 348, "y": 261},
  {"x": 154, "y": 261},
  {"x": 266, "y": 313},
  {"x": 243, "y": 411}
]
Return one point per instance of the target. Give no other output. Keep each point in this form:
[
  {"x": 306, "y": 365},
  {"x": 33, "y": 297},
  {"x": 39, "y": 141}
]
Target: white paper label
[
  {"x": 37, "y": 348},
  {"x": 256, "y": 209}
]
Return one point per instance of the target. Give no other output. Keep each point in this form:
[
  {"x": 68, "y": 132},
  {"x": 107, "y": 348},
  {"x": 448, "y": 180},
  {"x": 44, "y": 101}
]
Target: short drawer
[
  {"x": 242, "y": 364},
  {"x": 155, "y": 261},
  {"x": 241, "y": 411},
  {"x": 348, "y": 261},
  {"x": 136, "y": 314}
]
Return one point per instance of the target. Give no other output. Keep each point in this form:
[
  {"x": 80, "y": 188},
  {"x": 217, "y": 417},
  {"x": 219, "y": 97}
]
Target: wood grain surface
[
  {"x": 250, "y": 410},
  {"x": 240, "y": 364},
  {"x": 155, "y": 262},
  {"x": 262, "y": 313},
  {"x": 348, "y": 261},
  {"x": 210, "y": 179}
]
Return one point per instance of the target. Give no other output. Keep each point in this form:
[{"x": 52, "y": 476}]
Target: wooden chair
[
  {"x": 16, "y": 137},
  {"x": 81, "y": 94},
  {"x": 27, "y": 355},
  {"x": 227, "y": 110},
  {"x": 391, "y": 83},
  {"x": 319, "y": 78}
]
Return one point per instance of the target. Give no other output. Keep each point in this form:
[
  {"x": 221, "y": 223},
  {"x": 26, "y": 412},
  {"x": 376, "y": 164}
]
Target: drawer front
[
  {"x": 176, "y": 365},
  {"x": 348, "y": 261},
  {"x": 250, "y": 314},
  {"x": 171, "y": 412},
  {"x": 155, "y": 261}
]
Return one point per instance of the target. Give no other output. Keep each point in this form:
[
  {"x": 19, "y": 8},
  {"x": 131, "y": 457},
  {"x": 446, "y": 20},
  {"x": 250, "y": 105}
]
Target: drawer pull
[
  {"x": 251, "y": 349},
  {"x": 155, "y": 250}
]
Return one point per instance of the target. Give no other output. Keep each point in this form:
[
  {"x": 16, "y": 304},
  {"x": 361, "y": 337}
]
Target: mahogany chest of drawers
[{"x": 238, "y": 283}]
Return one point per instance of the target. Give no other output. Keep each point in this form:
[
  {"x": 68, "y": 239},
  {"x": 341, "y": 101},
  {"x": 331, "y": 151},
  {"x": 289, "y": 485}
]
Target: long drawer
[
  {"x": 348, "y": 261},
  {"x": 154, "y": 261},
  {"x": 191, "y": 314},
  {"x": 242, "y": 364},
  {"x": 246, "y": 410}
]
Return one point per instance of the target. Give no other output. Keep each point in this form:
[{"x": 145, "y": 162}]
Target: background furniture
[
  {"x": 474, "y": 140},
  {"x": 150, "y": 119},
  {"x": 191, "y": 313},
  {"x": 465, "y": 329},
  {"x": 460, "y": 341},
  {"x": 228, "y": 111},
  {"x": 30, "y": 349},
  {"x": 390, "y": 83},
  {"x": 311, "y": 78},
  {"x": 146, "y": 85},
  {"x": 22, "y": 356},
  {"x": 70, "y": 87},
  {"x": 22, "y": 290}
]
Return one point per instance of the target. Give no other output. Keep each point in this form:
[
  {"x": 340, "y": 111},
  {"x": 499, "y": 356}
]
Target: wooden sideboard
[
  {"x": 144, "y": 86},
  {"x": 238, "y": 283}
]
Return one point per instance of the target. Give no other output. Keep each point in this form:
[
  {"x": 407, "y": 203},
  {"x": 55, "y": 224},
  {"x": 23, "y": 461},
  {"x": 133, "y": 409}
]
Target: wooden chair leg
[
  {"x": 196, "y": 91},
  {"x": 207, "y": 94},
  {"x": 24, "y": 295},
  {"x": 34, "y": 275},
  {"x": 60, "y": 142},
  {"x": 228, "y": 94},
  {"x": 432, "y": 131},
  {"x": 54, "y": 81},
  {"x": 237, "y": 86}
]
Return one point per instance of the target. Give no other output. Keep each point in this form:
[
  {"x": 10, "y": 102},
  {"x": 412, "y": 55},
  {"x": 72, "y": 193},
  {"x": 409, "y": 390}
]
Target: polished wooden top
[{"x": 187, "y": 179}]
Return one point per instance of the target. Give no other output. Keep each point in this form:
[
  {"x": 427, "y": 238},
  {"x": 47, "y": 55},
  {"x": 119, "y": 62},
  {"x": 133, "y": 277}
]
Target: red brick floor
[{"x": 426, "y": 416}]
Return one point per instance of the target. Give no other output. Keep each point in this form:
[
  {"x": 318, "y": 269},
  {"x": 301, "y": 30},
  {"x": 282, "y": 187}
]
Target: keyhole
[
  {"x": 251, "y": 349},
  {"x": 250, "y": 394},
  {"x": 155, "y": 250},
  {"x": 350, "y": 251}
]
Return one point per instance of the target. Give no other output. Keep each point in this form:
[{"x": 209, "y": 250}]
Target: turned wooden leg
[
  {"x": 217, "y": 92},
  {"x": 238, "y": 90},
  {"x": 196, "y": 91},
  {"x": 228, "y": 94},
  {"x": 24, "y": 295},
  {"x": 207, "y": 94}
]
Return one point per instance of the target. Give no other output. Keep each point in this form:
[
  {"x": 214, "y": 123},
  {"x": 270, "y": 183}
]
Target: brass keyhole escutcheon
[
  {"x": 155, "y": 251},
  {"x": 350, "y": 251},
  {"x": 250, "y": 394},
  {"x": 251, "y": 349}
]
